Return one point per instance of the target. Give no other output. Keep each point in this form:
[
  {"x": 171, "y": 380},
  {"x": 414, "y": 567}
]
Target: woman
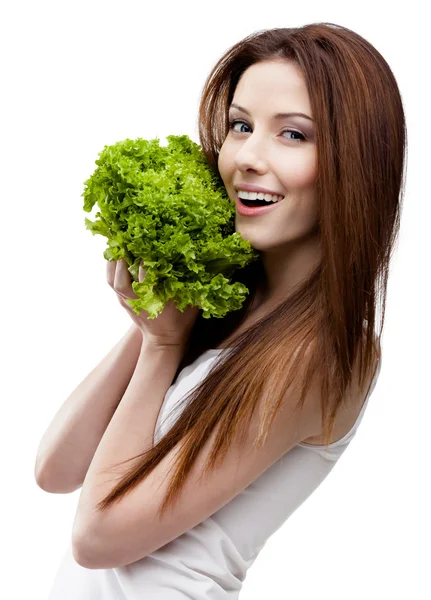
[{"x": 268, "y": 398}]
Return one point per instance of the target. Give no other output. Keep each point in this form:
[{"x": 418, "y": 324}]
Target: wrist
[{"x": 162, "y": 345}]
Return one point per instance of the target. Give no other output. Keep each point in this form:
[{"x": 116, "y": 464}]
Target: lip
[
  {"x": 247, "y": 211},
  {"x": 255, "y": 188}
]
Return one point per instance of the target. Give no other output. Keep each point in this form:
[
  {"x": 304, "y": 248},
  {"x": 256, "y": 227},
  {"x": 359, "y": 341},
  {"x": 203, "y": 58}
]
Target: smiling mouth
[
  {"x": 266, "y": 198},
  {"x": 258, "y": 202}
]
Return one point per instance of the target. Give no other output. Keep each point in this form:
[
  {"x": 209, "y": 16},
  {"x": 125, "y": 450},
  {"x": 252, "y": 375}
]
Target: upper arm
[{"x": 131, "y": 529}]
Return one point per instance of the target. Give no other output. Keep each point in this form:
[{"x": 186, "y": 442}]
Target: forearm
[
  {"x": 68, "y": 446},
  {"x": 131, "y": 429}
]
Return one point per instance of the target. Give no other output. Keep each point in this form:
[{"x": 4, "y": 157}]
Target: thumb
[{"x": 142, "y": 272}]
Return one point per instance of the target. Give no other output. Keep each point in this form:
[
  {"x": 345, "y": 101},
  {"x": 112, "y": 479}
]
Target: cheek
[
  {"x": 300, "y": 176},
  {"x": 223, "y": 163},
  {"x": 309, "y": 215},
  {"x": 226, "y": 159},
  {"x": 299, "y": 218},
  {"x": 302, "y": 170}
]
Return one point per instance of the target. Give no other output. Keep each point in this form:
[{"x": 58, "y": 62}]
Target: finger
[
  {"x": 123, "y": 280},
  {"x": 110, "y": 272},
  {"x": 142, "y": 272}
]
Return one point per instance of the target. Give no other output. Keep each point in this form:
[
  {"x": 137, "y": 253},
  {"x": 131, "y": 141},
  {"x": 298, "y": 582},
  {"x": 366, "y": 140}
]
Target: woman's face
[{"x": 276, "y": 153}]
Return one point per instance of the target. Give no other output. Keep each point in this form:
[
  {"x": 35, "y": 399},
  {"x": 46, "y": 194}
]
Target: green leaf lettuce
[{"x": 163, "y": 205}]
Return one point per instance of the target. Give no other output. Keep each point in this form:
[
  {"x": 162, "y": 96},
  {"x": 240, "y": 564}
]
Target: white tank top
[{"x": 210, "y": 560}]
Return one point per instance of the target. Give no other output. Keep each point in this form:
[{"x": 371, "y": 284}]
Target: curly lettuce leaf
[{"x": 163, "y": 205}]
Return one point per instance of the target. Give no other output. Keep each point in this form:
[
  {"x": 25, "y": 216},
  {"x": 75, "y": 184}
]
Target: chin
[{"x": 256, "y": 241}]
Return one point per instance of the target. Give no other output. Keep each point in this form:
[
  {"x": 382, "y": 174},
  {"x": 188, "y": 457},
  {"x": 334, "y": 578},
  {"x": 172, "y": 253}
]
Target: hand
[{"x": 170, "y": 328}]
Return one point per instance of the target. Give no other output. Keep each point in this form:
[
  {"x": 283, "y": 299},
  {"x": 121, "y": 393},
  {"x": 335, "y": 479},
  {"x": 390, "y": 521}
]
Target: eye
[{"x": 235, "y": 121}]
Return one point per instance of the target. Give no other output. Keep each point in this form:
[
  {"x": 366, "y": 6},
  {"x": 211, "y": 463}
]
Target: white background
[{"x": 76, "y": 76}]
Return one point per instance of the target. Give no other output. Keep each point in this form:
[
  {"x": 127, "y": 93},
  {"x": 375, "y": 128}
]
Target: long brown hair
[{"x": 328, "y": 320}]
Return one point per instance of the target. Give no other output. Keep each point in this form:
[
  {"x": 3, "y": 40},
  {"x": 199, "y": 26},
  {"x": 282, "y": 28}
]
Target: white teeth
[{"x": 259, "y": 196}]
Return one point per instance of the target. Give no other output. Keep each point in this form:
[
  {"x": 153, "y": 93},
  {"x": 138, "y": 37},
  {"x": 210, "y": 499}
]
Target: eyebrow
[{"x": 277, "y": 115}]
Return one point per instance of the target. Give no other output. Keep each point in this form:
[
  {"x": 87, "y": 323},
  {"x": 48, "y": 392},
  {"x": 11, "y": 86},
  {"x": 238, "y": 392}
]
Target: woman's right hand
[{"x": 170, "y": 328}]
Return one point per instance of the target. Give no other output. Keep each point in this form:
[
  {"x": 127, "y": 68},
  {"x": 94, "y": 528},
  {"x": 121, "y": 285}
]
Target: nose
[{"x": 250, "y": 157}]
